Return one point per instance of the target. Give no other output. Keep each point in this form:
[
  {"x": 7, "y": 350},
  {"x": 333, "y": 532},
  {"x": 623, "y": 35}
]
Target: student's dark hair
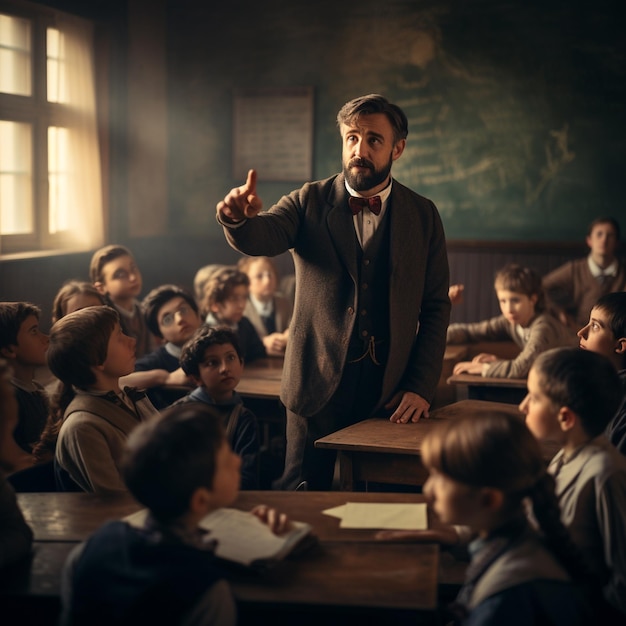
[
  {"x": 614, "y": 305},
  {"x": 605, "y": 220},
  {"x": 103, "y": 256},
  {"x": 375, "y": 103},
  {"x": 152, "y": 303},
  {"x": 220, "y": 286},
  {"x": 12, "y": 316},
  {"x": 520, "y": 279},
  {"x": 497, "y": 450},
  {"x": 586, "y": 382},
  {"x": 194, "y": 349},
  {"x": 68, "y": 290},
  {"x": 167, "y": 458}
]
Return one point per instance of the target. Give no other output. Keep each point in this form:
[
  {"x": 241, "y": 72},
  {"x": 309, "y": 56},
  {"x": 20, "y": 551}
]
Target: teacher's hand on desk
[{"x": 409, "y": 407}]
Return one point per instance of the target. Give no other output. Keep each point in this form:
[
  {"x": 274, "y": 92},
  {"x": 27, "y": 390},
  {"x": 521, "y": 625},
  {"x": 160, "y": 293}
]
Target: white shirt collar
[{"x": 596, "y": 270}]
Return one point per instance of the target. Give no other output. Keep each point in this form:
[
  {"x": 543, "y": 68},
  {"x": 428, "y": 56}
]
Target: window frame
[{"x": 37, "y": 111}]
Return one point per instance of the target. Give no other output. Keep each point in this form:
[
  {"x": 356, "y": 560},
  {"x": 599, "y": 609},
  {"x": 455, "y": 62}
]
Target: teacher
[{"x": 371, "y": 308}]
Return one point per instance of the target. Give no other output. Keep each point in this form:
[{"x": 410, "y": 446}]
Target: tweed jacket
[{"x": 316, "y": 224}]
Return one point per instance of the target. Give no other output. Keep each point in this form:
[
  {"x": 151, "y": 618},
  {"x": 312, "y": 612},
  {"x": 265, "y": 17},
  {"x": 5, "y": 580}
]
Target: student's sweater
[
  {"x": 244, "y": 433},
  {"x": 93, "y": 435},
  {"x": 516, "y": 580},
  {"x": 543, "y": 332},
  {"x": 128, "y": 576},
  {"x": 591, "y": 488},
  {"x": 616, "y": 430},
  {"x": 33, "y": 410}
]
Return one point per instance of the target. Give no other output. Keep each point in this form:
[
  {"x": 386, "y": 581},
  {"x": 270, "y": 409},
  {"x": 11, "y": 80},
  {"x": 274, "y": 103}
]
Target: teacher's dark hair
[{"x": 375, "y": 103}]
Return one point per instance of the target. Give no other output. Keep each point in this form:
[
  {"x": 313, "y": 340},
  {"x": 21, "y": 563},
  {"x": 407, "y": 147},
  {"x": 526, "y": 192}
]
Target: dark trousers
[{"x": 354, "y": 400}]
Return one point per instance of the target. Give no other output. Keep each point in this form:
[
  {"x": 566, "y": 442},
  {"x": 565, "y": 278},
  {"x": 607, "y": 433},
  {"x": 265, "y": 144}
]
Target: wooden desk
[
  {"x": 347, "y": 576},
  {"x": 377, "y": 450},
  {"x": 474, "y": 387}
]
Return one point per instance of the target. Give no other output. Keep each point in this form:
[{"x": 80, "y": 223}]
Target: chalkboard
[{"x": 517, "y": 110}]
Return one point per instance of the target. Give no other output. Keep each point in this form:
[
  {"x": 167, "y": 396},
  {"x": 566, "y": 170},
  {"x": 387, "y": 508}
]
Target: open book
[{"x": 244, "y": 539}]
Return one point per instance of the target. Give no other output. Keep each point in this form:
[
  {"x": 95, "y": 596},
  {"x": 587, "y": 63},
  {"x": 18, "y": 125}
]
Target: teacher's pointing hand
[{"x": 241, "y": 202}]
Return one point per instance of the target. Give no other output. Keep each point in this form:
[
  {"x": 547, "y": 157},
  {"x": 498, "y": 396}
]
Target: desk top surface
[
  {"x": 381, "y": 435},
  {"x": 486, "y": 381},
  {"x": 347, "y": 568},
  {"x": 74, "y": 516}
]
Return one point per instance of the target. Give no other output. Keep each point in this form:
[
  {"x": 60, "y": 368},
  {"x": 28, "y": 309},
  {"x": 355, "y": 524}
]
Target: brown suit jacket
[{"x": 316, "y": 223}]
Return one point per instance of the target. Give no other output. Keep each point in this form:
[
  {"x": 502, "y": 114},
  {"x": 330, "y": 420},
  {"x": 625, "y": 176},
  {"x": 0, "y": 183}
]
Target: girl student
[
  {"x": 481, "y": 471},
  {"x": 524, "y": 320},
  {"x": 91, "y": 414},
  {"x": 74, "y": 295}
]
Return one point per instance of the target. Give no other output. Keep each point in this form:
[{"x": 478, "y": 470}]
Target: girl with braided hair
[{"x": 482, "y": 471}]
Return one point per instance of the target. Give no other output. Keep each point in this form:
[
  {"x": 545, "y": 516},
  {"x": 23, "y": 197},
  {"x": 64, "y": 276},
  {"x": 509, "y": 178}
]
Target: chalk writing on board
[{"x": 273, "y": 133}]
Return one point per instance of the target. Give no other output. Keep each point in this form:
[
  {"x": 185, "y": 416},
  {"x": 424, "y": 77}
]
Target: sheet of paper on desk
[{"x": 388, "y": 516}]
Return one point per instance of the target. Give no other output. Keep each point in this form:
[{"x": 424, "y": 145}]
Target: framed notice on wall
[{"x": 273, "y": 134}]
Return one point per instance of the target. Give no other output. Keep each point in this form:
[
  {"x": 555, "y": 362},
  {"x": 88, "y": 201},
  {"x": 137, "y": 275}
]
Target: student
[
  {"x": 24, "y": 345},
  {"x": 88, "y": 353},
  {"x": 171, "y": 314},
  {"x": 523, "y": 320},
  {"x": 481, "y": 470},
  {"x": 572, "y": 396},
  {"x": 606, "y": 334},
  {"x": 115, "y": 275},
  {"x": 16, "y": 537},
  {"x": 225, "y": 299},
  {"x": 269, "y": 312},
  {"x": 201, "y": 278},
  {"x": 213, "y": 360},
  {"x": 74, "y": 295},
  {"x": 574, "y": 287},
  {"x": 181, "y": 468}
]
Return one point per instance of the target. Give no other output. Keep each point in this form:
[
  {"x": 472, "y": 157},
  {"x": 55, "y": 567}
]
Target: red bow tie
[{"x": 357, "y": 204}]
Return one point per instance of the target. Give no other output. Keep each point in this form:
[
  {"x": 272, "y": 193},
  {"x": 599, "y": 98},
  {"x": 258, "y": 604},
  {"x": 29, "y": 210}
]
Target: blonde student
[
  {"x": 88, "y": 353},
  {"x": 572, "y": 396},
  {"x": 481, "y": 471},
  {"x": 524, "y": 320},
  {"x": 268, "y": 311},
  {"x": 114, "y": 272}
]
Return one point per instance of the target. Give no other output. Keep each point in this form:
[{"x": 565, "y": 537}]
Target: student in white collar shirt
[{"x": 574, "y": 288}]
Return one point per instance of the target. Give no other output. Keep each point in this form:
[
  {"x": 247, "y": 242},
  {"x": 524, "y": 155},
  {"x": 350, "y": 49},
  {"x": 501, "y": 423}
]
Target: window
[{"x": 50, "y": 178}]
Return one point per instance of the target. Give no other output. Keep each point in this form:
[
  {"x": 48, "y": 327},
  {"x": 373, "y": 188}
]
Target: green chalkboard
[{"x": 517, "y": 110}]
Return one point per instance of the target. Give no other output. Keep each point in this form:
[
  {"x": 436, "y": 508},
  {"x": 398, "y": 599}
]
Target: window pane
[
  {"x": 15, "y": 55},
  {"x": 57, "y": 74},
  {"x": 16, "y": 173},
  {"x": 58, "y": 179}
]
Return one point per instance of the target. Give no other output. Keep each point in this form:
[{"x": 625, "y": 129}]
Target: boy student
[
  {"x": 115, "y": 275},
  {"x": 171, "y": 314},
  {"x": 606, "y": 334},
  {"x": 181, "y": 468},
  {"x": 269, "y": 312},
  {"x": 89, "y": 354},
  {"x": 575, "y": 286},
  {"x": 225, "y": 299},
  {"x": 24, "y": 346},
  {"x": 572, "y": 396},
  {"x": 212, "y": 359},
  {"x": 524, "y": 320}
]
